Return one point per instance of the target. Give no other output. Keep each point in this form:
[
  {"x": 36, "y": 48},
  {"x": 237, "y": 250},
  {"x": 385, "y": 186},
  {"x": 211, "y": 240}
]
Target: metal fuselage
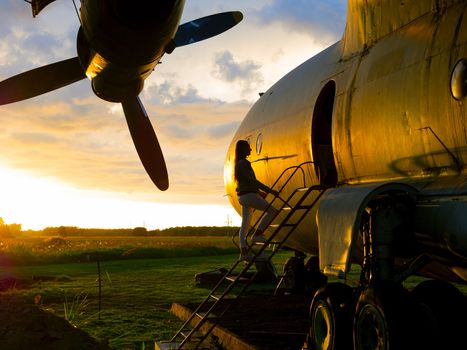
[{"x": 380, "y": 106}]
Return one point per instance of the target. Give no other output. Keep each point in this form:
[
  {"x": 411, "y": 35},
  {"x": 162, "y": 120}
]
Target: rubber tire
[
  {"x": 446, "y": 308},
  {"x": 331, "y": 314},
  {"x": 383, "y": 318},
  {"x": 294, "y": 275}
]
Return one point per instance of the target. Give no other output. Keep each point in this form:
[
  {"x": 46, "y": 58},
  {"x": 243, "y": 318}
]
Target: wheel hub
[
  {"x": 371, "y": 331},
  {"x": 322, "y": 326}
]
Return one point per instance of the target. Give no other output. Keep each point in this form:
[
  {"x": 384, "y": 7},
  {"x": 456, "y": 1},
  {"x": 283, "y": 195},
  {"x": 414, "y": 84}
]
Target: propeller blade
[
  {"x": 40, "y": 80},
  {"x": 146, "y": 143},
  {"x": 206, "y": 27}
]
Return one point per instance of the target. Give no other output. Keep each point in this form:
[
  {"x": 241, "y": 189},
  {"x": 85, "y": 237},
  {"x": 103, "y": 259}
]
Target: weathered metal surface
[
  {"x": 393, "y": 116},
  {"x": 339, "y": 216}
]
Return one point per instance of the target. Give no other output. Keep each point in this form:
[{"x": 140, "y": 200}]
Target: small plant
[{"x": 74, "y": 311}]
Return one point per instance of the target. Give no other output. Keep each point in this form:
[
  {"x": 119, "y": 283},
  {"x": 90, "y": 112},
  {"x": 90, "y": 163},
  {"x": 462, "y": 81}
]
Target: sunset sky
[{"x": 67, "y": 157}]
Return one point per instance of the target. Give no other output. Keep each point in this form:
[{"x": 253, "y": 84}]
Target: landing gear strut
[{"x": 380, "y": 314}]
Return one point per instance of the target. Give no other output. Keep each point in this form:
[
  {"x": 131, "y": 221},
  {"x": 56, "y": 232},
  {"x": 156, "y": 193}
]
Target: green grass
[
  {"x": 137, "y": 291},
  {"x": 141, "y": 277},
  {"x": 35, "y": 251},
  {"x": 136, "y": 295}
]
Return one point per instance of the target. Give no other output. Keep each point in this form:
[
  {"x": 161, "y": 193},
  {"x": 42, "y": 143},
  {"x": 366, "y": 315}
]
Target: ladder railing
[
  {"x": 296, "y": 169},
  {"x": 211, "y": 308}
]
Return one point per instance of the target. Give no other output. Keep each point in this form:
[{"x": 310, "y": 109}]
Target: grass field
[{"x": 140, "y": 279}]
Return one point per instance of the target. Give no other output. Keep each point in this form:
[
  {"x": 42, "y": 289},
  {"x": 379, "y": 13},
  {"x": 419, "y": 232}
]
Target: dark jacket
[{"x": 246, "y": 179}]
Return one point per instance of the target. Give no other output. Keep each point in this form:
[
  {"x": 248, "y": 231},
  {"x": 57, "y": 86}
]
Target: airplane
[
  {"x": 378, "y": 121},
  {"x": 119, "y": 44}
]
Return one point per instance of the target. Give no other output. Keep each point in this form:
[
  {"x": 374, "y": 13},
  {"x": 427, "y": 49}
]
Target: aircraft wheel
[
  {"x": 444, "y": 308},
  {"x": 294, "y": 275},
  {"x": 382, "y": 318},
  {"x": 331, "y": 318}
]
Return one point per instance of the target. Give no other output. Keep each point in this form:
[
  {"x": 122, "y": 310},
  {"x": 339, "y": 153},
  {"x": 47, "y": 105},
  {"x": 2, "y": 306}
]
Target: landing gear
[
  {"x": 380, "y": 314},
  {"x": 300, "y": 277},
  {"x": 331, "y": 318},
  {"x": 381, "y": 320},
  {"x": 294, "y": 274}
]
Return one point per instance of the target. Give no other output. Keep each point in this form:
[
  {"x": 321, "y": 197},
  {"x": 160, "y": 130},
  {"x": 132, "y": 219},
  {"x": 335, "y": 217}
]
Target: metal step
[
  {"x": 237, "y": 279},
  {"x": 302, "y": 189},
  {"x": 282, "y": 225},
  {"x": 206, "y": 316}
]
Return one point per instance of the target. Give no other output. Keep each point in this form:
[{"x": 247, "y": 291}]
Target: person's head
[{"x": 242, "y": 149}]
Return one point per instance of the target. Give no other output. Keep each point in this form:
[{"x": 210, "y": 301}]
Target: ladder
[{"x": 196, "y": 329}]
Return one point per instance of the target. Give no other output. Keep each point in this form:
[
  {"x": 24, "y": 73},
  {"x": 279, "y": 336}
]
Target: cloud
[
  {"x": 73, "y": 136},
  {"x": 28, "y": 42},
  {"x": 84, "y": 143},
  {"x": 223, "y": 130},
  {"x": 323, "y": 20},
  {"x": 246, "y": 73},
  {"x": 171, "y": 93},
  {"x": 35, "y": 139}
]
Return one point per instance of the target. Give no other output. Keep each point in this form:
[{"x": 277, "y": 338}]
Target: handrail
[{"x": 297, "y": 168}]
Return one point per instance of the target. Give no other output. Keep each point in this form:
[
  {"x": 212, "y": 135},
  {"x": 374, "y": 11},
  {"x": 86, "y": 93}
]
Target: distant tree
[
  {"x": 3, "y": 228},
  {"x": 62, "y": 231},
  {"x": 140, "y": 231},
  {"x": 9, "y": 230},
  {"x": 14, "y": 228}
]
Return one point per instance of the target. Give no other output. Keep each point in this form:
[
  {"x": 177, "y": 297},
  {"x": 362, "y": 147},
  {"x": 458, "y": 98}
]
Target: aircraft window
[
  {"x": 459, "y": 80},
  {"x": 259, "y": 143}
]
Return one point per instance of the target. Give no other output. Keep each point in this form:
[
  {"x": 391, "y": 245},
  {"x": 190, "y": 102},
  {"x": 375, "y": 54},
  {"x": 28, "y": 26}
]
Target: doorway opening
[{"x": 321, "y": 136}]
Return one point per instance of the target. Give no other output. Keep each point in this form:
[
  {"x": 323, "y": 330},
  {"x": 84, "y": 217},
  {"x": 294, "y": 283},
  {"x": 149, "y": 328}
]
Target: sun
[{"x": 37, "y": 202}]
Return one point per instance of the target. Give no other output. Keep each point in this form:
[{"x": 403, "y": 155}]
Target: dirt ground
[
  {"x": 269, "y": 322},
  {"x": 266, "y": 322},
  {"x": 25, "y": 326}
]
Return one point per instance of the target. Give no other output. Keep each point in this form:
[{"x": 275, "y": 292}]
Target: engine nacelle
[
  {"x": 120, "y": 42},
  {"x": 120, "y": 30}
]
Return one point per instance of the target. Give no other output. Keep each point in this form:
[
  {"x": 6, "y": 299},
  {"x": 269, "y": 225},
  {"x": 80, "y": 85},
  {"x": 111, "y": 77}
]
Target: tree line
[
  {"x": 9, "y": 230},
  {"x": 14, "y": 230},
  {"x": 73, "y": 231}
]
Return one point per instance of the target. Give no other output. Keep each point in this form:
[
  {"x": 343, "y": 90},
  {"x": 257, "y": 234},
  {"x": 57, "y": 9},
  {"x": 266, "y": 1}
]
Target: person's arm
[
  {"x": 266, "y": 188},
  {"x": 260, "y": 185}
]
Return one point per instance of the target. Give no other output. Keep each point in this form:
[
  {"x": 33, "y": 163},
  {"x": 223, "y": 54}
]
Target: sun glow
[{"x": 36, "y": 203}]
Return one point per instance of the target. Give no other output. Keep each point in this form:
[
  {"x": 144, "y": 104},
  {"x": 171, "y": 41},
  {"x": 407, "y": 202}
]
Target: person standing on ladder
[{"x": 248, "y": 191}]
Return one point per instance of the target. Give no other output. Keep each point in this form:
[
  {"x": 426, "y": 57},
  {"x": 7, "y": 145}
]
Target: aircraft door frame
[{"x": 321, "y": 136}]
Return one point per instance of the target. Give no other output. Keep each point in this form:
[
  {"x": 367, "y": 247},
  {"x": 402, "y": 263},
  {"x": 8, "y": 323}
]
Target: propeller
[
  {"x": 40, "y": 80},
  {"x": 146, "y": 142},
  {"x": 56, "y": 75},
  {"x": 204, "y": 28}
]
